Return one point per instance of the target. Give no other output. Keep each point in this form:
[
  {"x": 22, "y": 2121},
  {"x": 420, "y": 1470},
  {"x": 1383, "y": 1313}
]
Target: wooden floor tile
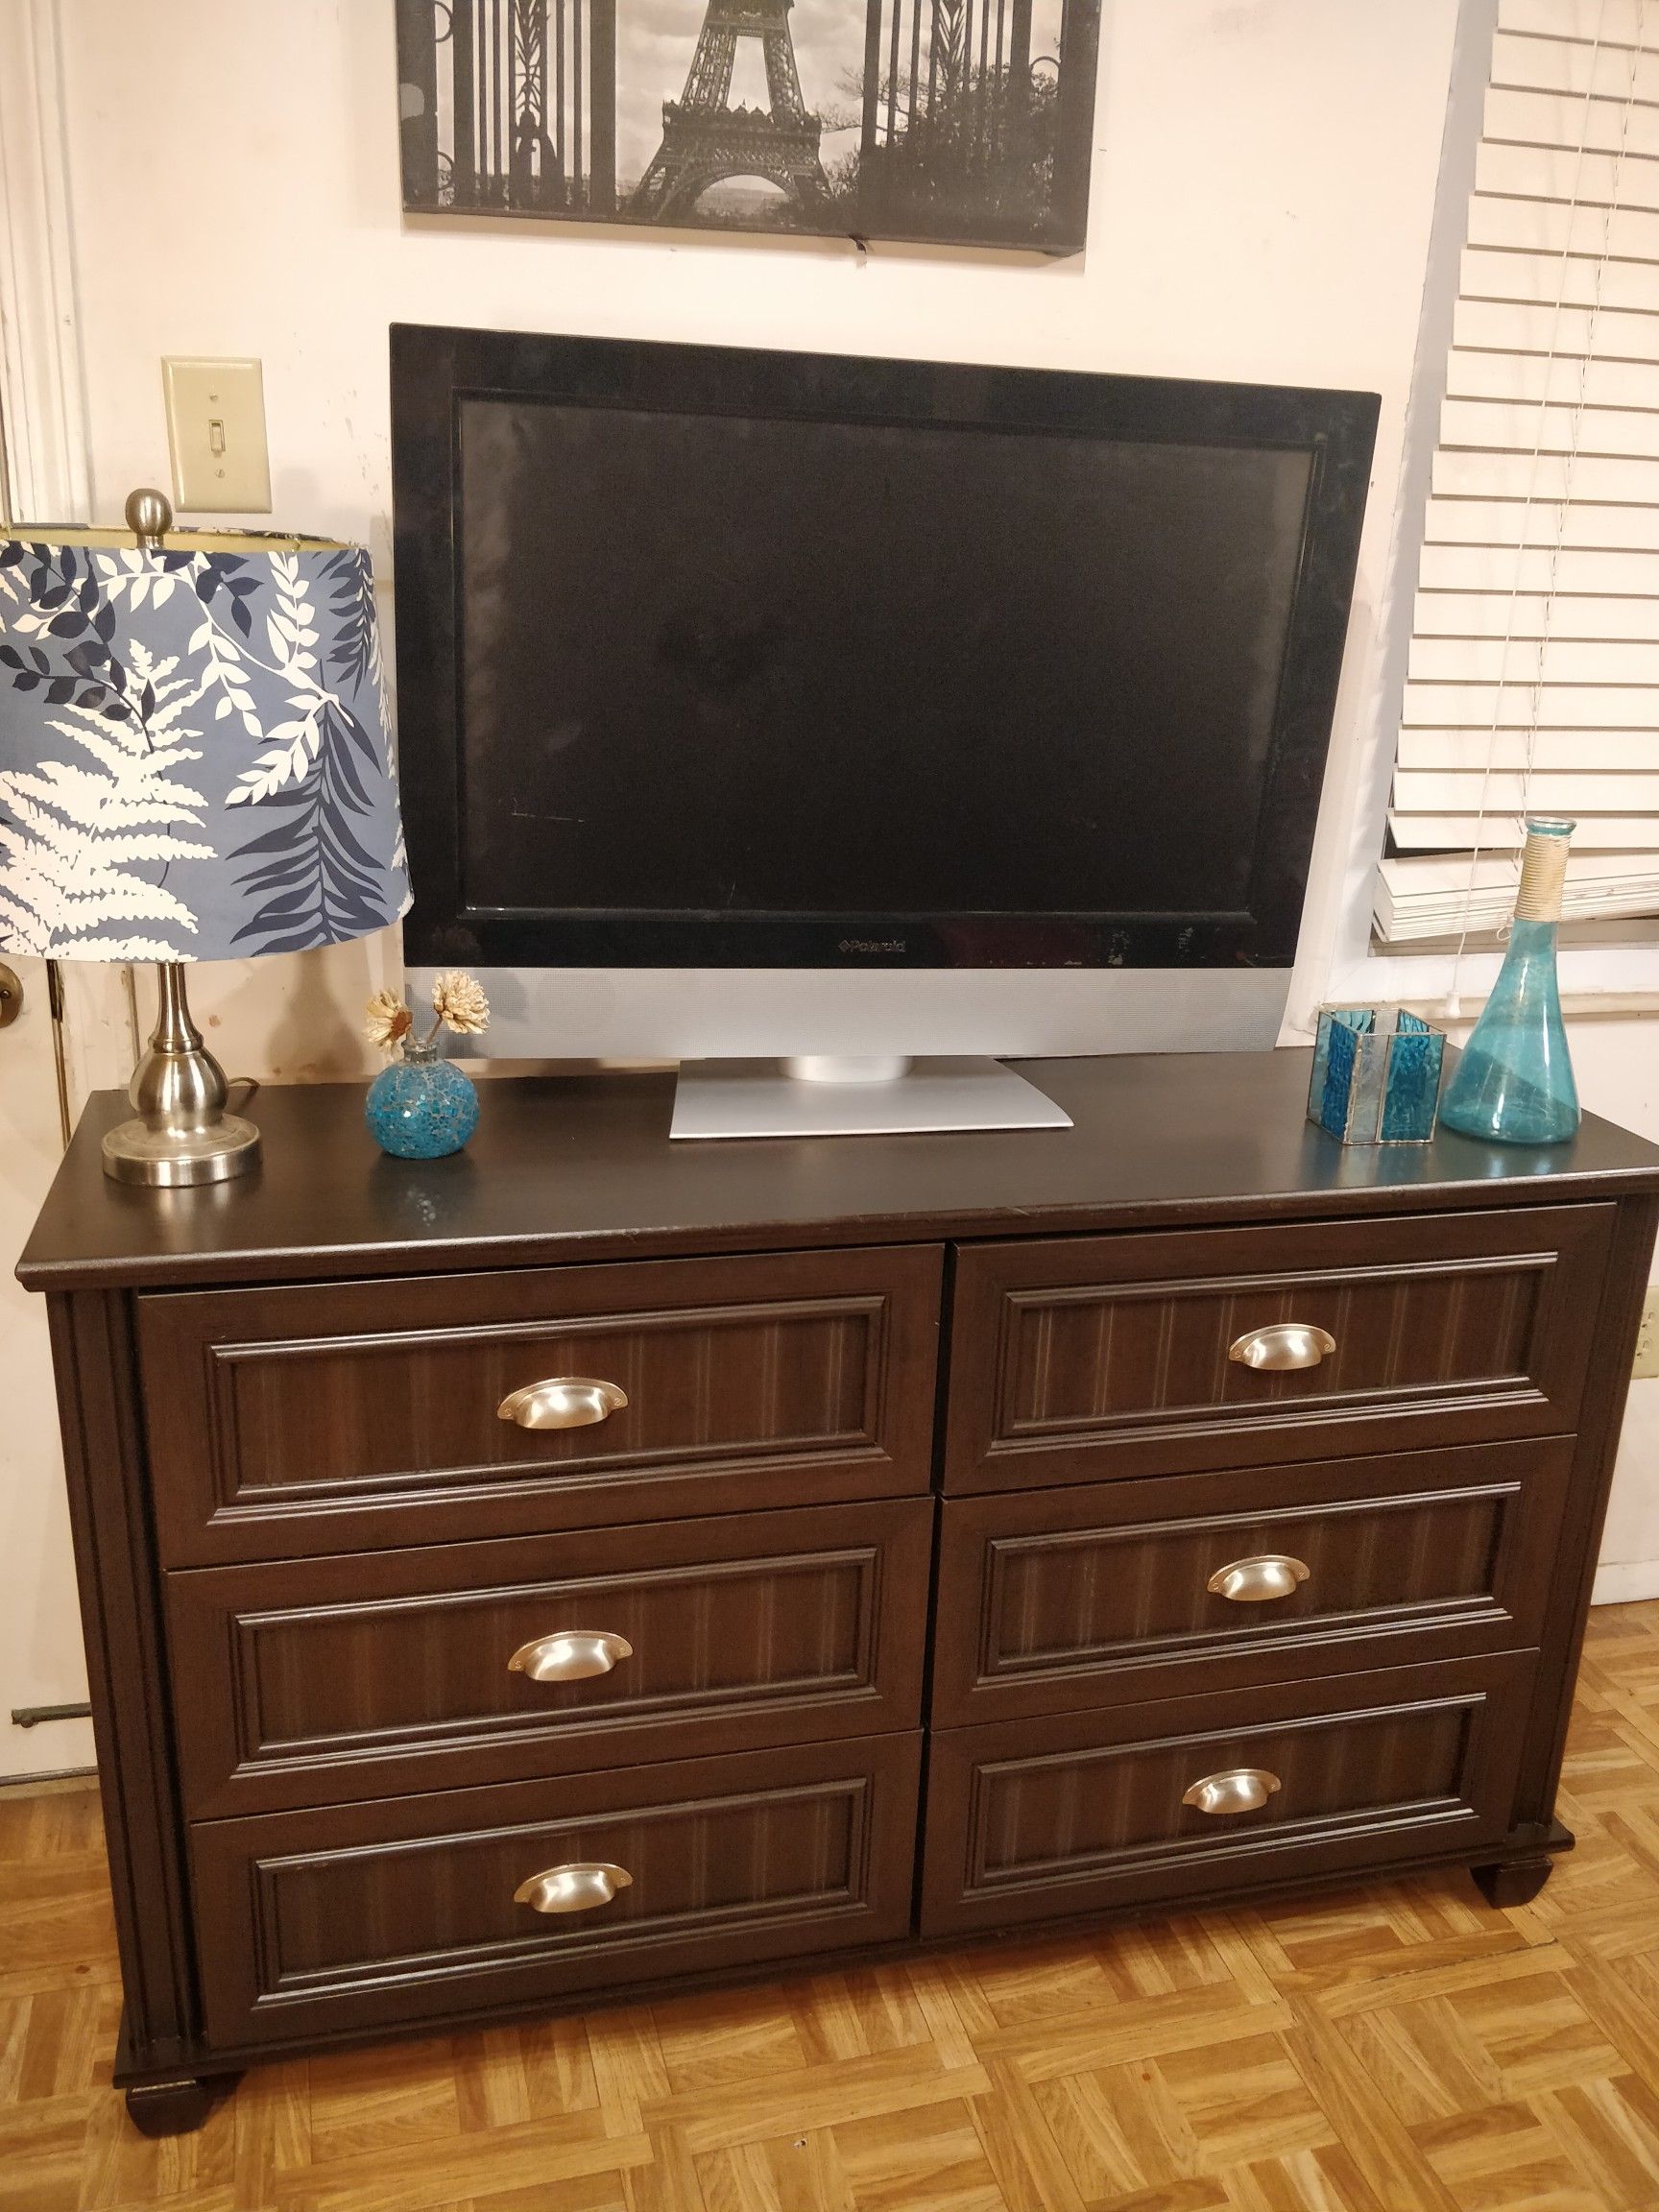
[
  {"x": 910, "y": 2159},
  {"x": 1398, "y": 2048}
]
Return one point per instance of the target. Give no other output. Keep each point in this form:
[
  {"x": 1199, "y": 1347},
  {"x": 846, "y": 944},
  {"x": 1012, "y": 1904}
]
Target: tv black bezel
[{"x": 435, "y": 369}]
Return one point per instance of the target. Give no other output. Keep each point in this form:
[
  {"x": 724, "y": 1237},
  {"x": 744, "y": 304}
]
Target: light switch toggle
[{"x": 216, "y": 429}]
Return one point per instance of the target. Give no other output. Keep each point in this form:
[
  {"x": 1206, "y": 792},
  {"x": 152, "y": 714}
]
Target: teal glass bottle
[{"x": 1513, "y": 1084}]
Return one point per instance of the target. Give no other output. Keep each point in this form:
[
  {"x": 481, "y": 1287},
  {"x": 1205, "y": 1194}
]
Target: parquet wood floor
[{"x": 1397, "y": 2048}]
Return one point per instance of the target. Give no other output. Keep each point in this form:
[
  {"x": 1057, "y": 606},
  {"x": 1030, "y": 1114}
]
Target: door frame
[
  {"x": 46, "y": 445},
  {"x": 42, "y": 390}
]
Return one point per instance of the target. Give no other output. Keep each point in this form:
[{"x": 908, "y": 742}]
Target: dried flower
[
  {"x": 386, "y": 1020},
  {"x": 459, "y": 1003}
]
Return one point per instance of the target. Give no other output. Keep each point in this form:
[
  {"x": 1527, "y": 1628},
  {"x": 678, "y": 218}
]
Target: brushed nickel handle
[
  {"x": 579, "y": 1888},
  {"x": 571, "y": 1655},
  {"x": 1253, "y": 1581},
  {"x": 1239, "y": 1789},
  {"x": 1285, "y": 1344},
  {"x": 563, "y": 1401}
]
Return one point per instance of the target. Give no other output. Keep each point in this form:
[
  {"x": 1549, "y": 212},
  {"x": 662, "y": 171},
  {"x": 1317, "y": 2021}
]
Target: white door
[
  {"x": 44, "y": 479},
  {"x": 40, "y": 1654}
]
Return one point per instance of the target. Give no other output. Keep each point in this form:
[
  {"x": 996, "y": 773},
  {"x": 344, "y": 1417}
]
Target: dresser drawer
[
  {"x": 1035, "y": 1818},
  {"x": 1111, "y": 1355},
  {"x": 398, "y": 1914},
  {"x": 321, "y": 1681},
  {"x": 297, "y": 1421},
  {"x": 1053, "y": 1600}
]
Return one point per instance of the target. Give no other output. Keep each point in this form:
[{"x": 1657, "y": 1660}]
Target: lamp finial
[{"x": 149, "y": 516}]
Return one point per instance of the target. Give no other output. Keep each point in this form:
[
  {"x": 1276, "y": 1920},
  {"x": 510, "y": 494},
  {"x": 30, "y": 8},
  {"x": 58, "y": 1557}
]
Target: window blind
[{"x": 1533, "y": 675}]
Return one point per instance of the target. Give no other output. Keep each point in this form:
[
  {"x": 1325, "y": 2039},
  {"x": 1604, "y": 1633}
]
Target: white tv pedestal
[{"x": 841, "y": 1095}]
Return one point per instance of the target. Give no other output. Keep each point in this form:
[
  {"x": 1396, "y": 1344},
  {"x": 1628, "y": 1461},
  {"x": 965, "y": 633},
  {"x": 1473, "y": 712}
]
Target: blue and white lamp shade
[
  {"x": 1376, "y": 1075},
  {"x": 196, "y": 759}
]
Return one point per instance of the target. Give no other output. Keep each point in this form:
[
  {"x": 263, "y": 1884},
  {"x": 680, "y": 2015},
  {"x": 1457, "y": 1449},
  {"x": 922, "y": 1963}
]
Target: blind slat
[
  {"x": 1567, "y": 64},
  {"x": 1448, "y": 566},
  {"x": 1504, "y": 427},
  {"x": 1544, "y": 226},
  {"x": 1510, "y": 707},
  {"x": 1615, "y": 22},
  {"x": 1432, "y": 747},
  {"x": 1523, "y": 329},
  {"x": 1531, "y": 615},
  {"x": 1562, "y": 173},
  {"x": 1592, "y": 478},
  {"x": 1539, "y": 277},
  {"x": 1510, "y": 522},
  {"x": 1527, "y": 379},
  {"x": 1524, "y": 660},
  {"x": 1449, "y": 872},
  {"x": 1498, "y": 832},
  {"x": 1568, "y": 119},
  {"x": 1420, "y": 895},
  {"x": 1438, "y": 791}
]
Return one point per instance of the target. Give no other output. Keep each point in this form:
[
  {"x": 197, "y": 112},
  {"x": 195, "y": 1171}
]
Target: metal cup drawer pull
[
  {"x": 570, "y": 1656},
  {"x": 1239, "y": 1789},
  {"x": 1253, "y": 1581},
  {"x": 577, "y": 1888},
  {"x": 1285, "y": 1344},
  {"x": 563, "y": 1401}
]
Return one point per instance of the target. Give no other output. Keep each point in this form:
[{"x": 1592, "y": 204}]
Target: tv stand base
[
  {"x": 846, "y": 1066},
  {"x": 763, "y": 1098}
]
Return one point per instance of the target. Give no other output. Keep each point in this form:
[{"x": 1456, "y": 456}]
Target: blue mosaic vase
[{"x": 422, "y": 1107}]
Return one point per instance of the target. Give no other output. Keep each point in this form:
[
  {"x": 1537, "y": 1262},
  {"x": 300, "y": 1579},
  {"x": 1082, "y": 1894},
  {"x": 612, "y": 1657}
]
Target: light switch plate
[
  {"x": 216, "y": 429},
  {"x": 1647, "y": 1340}
]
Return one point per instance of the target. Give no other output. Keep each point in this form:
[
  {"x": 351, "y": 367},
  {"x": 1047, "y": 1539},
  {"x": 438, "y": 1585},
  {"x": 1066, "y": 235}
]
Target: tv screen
[{"x": 775, "y": 670}]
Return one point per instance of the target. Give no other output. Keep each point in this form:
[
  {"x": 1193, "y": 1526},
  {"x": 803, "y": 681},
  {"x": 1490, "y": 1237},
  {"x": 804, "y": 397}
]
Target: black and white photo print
[{"x": 965, "y": 122}]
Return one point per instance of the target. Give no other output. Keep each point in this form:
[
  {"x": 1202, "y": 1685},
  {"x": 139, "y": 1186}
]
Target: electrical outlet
[
  {"x": 216, "y": 429},
  {"x": 1647, "y": 1339}
]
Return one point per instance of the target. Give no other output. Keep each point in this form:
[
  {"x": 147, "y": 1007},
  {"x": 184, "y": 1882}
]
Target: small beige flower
[
  {"x": 459, "y": 1003},
  {"x": 386, "y": 1020}
]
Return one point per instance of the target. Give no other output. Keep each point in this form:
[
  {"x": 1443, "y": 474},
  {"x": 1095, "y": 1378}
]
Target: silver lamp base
[
  {"x": 169, "y": 1159},
  {"x": 181, "y": 1134}
]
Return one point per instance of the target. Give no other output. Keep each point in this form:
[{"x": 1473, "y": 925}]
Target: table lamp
[{"x": 194, "y": 765}]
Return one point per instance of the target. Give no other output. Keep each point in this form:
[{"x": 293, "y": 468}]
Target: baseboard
[{"x": 1625, "y": 1581}]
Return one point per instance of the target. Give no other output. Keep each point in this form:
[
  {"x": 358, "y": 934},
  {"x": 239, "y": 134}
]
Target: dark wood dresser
[{"x": 934, "y": 1535}]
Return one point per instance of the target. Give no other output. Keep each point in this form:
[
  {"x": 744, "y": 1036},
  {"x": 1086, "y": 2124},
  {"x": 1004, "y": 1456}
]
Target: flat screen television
[{"x": 717, "y": 659}]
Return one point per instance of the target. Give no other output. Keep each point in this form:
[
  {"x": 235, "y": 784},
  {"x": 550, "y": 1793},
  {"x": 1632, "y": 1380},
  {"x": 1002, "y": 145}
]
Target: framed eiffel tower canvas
[{"x": 962, "y": 122}]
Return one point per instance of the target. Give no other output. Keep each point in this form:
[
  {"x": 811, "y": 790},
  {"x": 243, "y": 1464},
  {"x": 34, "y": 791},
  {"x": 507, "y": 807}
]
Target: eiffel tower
[{"x": 703, "y": 141}]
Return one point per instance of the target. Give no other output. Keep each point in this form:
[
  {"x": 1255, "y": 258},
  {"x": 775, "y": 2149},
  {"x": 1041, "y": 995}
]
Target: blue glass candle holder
[
  {"x": 422, "y": 1107},
  {"x": 1376, "y": 1075}
]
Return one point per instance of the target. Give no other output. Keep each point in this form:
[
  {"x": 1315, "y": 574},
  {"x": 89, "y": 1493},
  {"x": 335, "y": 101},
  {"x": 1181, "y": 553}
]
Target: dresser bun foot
[
  {"x": 1513, "y": 1880},
  {"x": 175, "y": 2108}
]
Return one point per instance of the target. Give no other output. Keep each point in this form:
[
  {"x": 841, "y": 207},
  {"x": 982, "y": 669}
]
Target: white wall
[
  {"x": 40, "y": 1655},
  {"x": 1263, "y": 199},
  {"x": 1262, "y": 209}
]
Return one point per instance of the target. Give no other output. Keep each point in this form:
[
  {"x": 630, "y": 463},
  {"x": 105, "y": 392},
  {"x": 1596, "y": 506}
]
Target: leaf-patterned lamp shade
[{"x": 195, "y": 757}]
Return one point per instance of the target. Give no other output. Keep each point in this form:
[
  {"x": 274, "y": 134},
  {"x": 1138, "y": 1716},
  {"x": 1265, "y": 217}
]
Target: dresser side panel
[
  {"x": 121, "y": 1620},
  {"x": 1607, "y": 1386}
]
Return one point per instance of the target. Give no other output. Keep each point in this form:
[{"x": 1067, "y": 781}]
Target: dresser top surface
[{"x": 582, "y": 1168}]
